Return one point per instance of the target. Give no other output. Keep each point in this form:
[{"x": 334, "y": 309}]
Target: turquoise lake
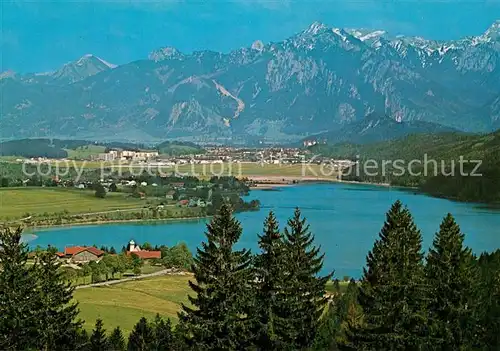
[{"x": 344, "y": 218}]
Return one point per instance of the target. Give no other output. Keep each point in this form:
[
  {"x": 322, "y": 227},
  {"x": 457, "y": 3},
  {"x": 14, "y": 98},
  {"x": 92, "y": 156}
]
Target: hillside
[
  {"x": 443, "y": 178},
  {"x": 84, "y": 149},
  {"x": 374, "y": 128},
  {"x": 179, "y": 148},
  {"x": 316, "y": 81}
]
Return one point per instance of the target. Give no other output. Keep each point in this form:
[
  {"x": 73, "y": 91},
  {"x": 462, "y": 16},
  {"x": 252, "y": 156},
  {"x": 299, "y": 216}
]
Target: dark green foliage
[
  {"x": 348, "y": 312},
  {"x": 32, "y": 148},
  {"x": 218, "y": 320},
  {"x": 142, "y": 336},
  {"x": 343, "y": 312},
  {"x": 19, "y": 298},
  {"x": 4, "y": 182},
  {"x": 270, "y": 267},
  {"x": 451, "y": 277},
  {"x": 179, "y": 148},
  {"x": 58, "y": 317},
  {"x": 116, "y": 340},
  {"x": 336, "y": 286},
  {"x": 327, "y": 331},
  {"x": 488, "y": 308},
  {"x": 304, "y": 291},
  {"x": 178, "y": 256},
  {"x": 82, "y": 341},
  {"x": 98, "y": 339},
  {"x": 100, "y": 192},
  {"x": 438, "y": 154},
  {"x": 393, "y": 289},
  {"x": 35, "y": 301},
  {"x": 164, "y": 339}
]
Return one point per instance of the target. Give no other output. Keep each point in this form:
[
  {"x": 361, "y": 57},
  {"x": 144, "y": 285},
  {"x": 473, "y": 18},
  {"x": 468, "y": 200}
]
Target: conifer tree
[
  {"x": 451, "y": 276},
  {"x": 58, "y": 314},
  {"x": 19, "y": 297},
  {"x": 327, "y": 331},
  {"x": 219, "y": 319},
  {"x": 488, "y": 307},
  {"x": 305, "y": 294},
  {"x": 98, "y": 339},
  {"x": 142, "y": 336},
  {"x": 393, "y": 290},
  {"x": 82, "y": 341},
  {"x": 348, "y": 311},
  {"x": 116, "y": 340},
  {"x": 164, "y": 339},
  {"x": 270, "y": 266}
]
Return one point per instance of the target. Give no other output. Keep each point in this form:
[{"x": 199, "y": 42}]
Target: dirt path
[{"x": 119, "y": 281}]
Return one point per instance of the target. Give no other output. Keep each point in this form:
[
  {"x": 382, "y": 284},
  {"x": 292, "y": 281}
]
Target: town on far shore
[{"x": 136, "y": 183}]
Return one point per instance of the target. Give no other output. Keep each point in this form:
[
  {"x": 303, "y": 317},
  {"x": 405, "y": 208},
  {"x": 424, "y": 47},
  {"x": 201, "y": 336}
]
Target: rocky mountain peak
[
  {"x": 90, "y": 59},
  {"x": 86, "y": 66},
  {"x": 494, "y": 31},
  {"x": 316, "y": 28},
  {"x": 258, "y": 45},
  {"x": 166, "y": 53},
  {"x": 7, "y": 74}
]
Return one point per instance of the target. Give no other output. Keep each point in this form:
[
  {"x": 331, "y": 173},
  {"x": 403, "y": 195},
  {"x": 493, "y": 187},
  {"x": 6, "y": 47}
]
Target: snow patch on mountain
[{"x": 375, "y": 34}]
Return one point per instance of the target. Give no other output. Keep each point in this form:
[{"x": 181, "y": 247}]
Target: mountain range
[{"x": 321, "y": 80}]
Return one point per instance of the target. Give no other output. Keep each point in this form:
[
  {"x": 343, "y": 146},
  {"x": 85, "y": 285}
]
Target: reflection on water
[{"x": 28, "y": 237}]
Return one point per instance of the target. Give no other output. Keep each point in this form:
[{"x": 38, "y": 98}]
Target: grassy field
[
  {"x": 16, "y": 202},
  {"x": 124, "y": 304},
  {"x": 235, "y": 169}
]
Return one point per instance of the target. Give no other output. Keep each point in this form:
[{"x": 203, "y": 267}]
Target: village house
[
  {"x": 170, "y": 195},
  {"x": 183, "y": 203},
  {"x": 178, "y": 185},
  {"x": 81, "y": 254}
]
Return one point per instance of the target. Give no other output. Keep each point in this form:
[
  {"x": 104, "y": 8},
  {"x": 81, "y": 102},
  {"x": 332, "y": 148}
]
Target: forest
[
  {"x": 275, "y": 299},
  {"x": 441, "y": 178}
]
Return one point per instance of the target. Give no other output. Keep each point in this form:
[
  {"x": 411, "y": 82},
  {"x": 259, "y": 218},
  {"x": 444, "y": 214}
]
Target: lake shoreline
[
  {"x": 273, "y": 182},
  {"x": 114, "y": 221},
  {"x": 262, "y": 187}
]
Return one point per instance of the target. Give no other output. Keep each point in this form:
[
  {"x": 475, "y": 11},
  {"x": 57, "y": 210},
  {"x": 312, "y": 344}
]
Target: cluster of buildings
[
  {"x": 308, "y": 143},
  {"x": 261, "y": 155},
  {"x": 127, "y": 155},
  {"x": 85, "y": 254},
  {"x": 212, "y": 155}
]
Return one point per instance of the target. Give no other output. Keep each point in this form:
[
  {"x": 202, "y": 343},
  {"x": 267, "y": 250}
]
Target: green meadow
[
  {"x": 124, "y": 304},
  {"x": 18, "y": 202}
]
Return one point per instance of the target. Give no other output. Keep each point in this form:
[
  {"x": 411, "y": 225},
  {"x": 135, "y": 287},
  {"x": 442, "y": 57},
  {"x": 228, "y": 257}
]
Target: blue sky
[{"x": 42, "y": 35}]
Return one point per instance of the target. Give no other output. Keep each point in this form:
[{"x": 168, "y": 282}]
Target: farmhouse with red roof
[{"x": 81, "y": 254}]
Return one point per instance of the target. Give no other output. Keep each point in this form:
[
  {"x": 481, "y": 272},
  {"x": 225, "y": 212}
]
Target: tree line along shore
[{"x": 120, "y": 199}]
